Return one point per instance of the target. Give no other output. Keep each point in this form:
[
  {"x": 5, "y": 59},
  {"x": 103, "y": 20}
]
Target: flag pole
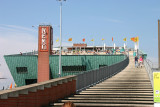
[
  {"x": 93, "y": 46},
  {"x": 126, "y": 42},
  {"x": 60, "y": 39},
  {"x": 84, "y": 47}
]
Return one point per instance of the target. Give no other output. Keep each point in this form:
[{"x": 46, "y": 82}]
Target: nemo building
[{"x": 28, "y": 68}]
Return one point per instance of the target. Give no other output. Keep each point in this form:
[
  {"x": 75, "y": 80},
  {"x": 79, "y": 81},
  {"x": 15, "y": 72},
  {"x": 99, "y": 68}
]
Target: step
[
  {"x": 118, "y": 93},
  {"x": 109, "y": 101},
  {"x": 124, "y": 85},
  {"x": 132, "y": 99},
  {"x": 120, "y": 87},
  {"x": 100, "y": 91},
  {"x": 133, "y": 79},
  {"x": 124, "y": 82},
  {"x": 113, "y": 96},
  {"x": 93, "y": 89},
  {"x": 103, "y": 105}
]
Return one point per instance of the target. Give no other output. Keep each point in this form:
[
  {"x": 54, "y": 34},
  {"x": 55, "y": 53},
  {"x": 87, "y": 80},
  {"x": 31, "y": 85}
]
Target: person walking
[
  {"x": 140, "y": 61},
  {"x": 136, "y": 61}
]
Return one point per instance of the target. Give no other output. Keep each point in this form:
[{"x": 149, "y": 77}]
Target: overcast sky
[{"x": 89, "y": 19}]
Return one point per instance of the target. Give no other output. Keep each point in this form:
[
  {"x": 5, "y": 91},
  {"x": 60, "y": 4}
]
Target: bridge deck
[{"x": 131, "y": 87}]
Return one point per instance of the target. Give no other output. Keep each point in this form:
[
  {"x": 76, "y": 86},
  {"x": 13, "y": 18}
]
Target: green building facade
[{"x": 24, "y": 67}]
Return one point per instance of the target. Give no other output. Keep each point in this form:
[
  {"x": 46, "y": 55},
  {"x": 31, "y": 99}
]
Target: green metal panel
[
  {"x": 90, "y": 61},
  {"x": 30, "y": 61}
]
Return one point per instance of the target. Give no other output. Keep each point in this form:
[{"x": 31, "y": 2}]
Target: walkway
[{"x": 129, "y": 88}]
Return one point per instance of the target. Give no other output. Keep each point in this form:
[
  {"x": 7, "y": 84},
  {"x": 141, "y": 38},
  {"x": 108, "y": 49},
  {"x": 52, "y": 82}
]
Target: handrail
[
  {"x": 149, "y": 70},
  {"x": 93, "y": 77},
  {"x": 150, "y": 63}
]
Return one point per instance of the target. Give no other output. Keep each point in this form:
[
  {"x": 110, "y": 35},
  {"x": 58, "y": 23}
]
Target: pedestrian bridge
[
  {"x": 130, "y": 87},
  {"x": 112, "y": 85}
]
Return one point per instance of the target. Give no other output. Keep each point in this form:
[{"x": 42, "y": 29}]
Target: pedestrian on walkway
[
  {"x": 136, "y": 61},
  {"x": 140, "y": 61}
]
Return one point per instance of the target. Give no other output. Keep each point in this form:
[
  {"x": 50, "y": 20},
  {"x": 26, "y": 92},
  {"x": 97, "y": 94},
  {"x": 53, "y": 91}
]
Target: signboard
[
  {"x": 156, "y": 80},
  {"x": 43, "y": 34}
]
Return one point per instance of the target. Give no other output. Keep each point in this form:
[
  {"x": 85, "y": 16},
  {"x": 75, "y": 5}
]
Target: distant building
[{"x": 82, "y": 47}]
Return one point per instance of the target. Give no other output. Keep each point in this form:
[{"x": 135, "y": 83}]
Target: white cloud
[
  {"x": 16, "y": 28},
  {"x": 13, "y": 40}
]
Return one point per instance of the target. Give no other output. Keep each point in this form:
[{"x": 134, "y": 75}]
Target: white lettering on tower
[{"x": 44, "y": 44}]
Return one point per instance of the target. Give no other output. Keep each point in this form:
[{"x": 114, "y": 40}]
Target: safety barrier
[
  {"x": 93, "y": 77},
  {"x": 38, "y": 94},
  {"x": 149, "y": 70}
]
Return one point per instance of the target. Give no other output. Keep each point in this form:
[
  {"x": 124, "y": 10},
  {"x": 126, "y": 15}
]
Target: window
[
  {"x": 73, "y": 68},
  {"x": 21, "y": 70},
  {"x": 30, "y": 81},
  {"x": 102, "y": 66}
]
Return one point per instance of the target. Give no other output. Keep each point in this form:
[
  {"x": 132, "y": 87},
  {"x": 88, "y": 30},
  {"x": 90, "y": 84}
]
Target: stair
[{"x": 129, "y": 88}]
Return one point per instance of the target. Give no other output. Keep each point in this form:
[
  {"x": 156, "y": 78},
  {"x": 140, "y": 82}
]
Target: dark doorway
[{"x": 30, "y": 81}]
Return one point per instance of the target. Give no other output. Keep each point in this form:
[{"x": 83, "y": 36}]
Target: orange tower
[{"x": 45, "y": 43}]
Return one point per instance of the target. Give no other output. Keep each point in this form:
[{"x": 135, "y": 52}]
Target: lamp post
[{"x": 60, "y": 37}]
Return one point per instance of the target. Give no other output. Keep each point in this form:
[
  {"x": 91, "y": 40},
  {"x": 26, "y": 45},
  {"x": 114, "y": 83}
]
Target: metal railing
[
  {"x": 148, "y": 65},
  {"x": 149, "y": 69},
  {"x": 93, "y": 77}
]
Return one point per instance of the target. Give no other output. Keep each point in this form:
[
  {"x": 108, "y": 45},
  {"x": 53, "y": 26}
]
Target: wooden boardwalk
[{"x": 129, "y": 88}]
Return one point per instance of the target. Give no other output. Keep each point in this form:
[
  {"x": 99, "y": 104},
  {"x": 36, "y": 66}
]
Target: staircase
[{"x": 129, "y": 88}]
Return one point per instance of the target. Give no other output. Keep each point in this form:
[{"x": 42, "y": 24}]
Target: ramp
[{"x": 129, "y": 88}]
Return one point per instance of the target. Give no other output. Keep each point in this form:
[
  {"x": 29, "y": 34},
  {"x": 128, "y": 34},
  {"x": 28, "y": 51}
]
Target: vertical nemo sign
[
  {"x": 44, "y": 50},
  {"x": 43, "y": 40}
]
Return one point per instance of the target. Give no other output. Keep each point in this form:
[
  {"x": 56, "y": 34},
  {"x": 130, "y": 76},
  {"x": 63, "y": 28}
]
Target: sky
[{"x": 89, "y": 19}]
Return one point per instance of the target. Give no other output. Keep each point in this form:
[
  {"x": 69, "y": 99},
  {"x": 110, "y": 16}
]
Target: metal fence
[
  {"x": 149, "y": 69},
  {"x": 93, "y": 77},
  {"x": 148, "y": 65}
]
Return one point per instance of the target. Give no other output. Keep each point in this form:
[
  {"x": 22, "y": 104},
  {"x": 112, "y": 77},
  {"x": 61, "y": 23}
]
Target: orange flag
[
  {"x": 10, "y": 86},
  {"x": 83, "y": 39},
  {"x": 133, "y": 39},
  {"x": 112, "y": 38},
  {"x": 70, "y": 39}
]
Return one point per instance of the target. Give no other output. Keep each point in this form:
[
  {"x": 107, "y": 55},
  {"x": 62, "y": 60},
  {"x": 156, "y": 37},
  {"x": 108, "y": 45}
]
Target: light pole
[{"x": 60, "y": 66}]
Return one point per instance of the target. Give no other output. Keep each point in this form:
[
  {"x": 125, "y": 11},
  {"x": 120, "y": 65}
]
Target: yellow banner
[
  {"x": 156, "y": 80},
  {"x": 92, "y": 40}
]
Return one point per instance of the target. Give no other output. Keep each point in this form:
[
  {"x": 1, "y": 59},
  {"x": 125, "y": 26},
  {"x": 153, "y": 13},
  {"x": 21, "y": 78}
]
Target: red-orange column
[{"x": 44, "y": 49}]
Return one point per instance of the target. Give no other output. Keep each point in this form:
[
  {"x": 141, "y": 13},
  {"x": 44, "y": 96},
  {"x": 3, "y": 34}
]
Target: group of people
[{"x": 138, "y": 61}]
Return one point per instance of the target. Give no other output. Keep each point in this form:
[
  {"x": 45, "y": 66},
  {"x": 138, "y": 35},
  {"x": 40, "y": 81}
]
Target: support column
[{"x": 44, "y": 50}]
